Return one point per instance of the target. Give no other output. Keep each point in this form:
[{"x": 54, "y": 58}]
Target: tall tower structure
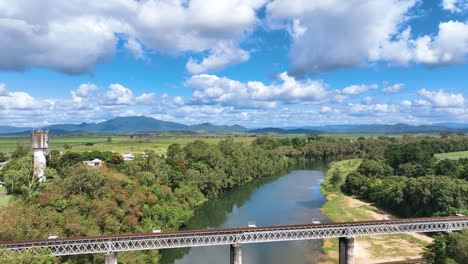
[{"x": 40, "y": 145}]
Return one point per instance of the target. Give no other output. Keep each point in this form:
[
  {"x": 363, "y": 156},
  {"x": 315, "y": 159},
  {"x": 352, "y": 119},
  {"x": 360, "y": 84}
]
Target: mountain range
[
  {"x": 139, "y": 124},
  {"x": 142, "y": 124}
]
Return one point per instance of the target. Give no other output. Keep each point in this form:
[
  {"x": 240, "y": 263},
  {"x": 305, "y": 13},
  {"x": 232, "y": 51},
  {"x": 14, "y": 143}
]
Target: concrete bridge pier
[
  {"x": 346, "y": 246},
  {"x": 111, "y": 258},
  {"x": 236, "y": 254}
]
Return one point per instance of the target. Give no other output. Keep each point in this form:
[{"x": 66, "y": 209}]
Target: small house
[
  {"x": 94, "y": 163},
  {"x": 128, "y": 156}
]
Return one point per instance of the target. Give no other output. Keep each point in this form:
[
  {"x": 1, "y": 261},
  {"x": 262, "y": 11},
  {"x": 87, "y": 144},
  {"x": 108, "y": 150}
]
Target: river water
[{"x": 291, "y": 197}]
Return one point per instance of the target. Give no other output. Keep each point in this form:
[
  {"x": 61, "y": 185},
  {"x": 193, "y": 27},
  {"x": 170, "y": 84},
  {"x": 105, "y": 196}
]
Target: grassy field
[
  {"x": 158, "y": 145},
  {"x": 453, "y": 155},
  {"x": 8, "y": 144},
  {"x": 4, "y": 199},
  {"x": 157, "y": 142}
]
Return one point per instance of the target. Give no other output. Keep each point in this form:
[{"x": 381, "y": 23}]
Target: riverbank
[{"x": 397, "y": 248}]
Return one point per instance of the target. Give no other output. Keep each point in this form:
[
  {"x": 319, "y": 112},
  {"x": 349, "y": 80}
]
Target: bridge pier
[
  {"x": 236, "y": 254},
  {"x": 346, "y": 250},
  {"x": 111, "y": 258}
]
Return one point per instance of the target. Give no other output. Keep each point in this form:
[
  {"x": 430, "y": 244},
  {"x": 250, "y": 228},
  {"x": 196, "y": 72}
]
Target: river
[{"x": 291, "y": 197}]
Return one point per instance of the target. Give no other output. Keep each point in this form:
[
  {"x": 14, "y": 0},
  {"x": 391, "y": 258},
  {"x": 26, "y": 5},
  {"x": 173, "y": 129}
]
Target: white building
[
  {"x": 128, "y": 156},
  {"x": 93, "y": 163}
]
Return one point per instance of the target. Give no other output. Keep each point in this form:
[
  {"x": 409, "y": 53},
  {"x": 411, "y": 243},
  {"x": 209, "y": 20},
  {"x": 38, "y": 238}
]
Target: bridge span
[{"x": 234, "y": 237}]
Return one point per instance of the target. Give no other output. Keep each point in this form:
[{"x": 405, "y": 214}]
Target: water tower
[{"x": 40, "y": 144}]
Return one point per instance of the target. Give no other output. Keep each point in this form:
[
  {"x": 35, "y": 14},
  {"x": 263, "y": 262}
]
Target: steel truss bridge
[{"x": 235, "y": 236}]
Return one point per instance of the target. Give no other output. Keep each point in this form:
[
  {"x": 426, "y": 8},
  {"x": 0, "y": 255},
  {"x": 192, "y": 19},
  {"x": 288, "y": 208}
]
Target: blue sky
[{"x": 250, "y": 62}]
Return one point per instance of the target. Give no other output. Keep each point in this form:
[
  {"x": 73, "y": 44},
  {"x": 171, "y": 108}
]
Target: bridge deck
[{"x": 212, "y": 237}]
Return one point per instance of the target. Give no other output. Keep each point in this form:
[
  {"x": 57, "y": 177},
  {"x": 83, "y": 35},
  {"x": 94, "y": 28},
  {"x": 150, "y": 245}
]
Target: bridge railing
[{"x": 148, "y": 241}]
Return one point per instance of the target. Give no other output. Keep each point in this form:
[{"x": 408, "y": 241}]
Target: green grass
[
  {"x": 344, "y": 167},
  {"x": 8, "y": 144},
  {"x": 452, "y": 155},
  {"x": 4, "y": 200},
  {"x": 136, "y": 145},
  {"x": 337, "y": 210}
]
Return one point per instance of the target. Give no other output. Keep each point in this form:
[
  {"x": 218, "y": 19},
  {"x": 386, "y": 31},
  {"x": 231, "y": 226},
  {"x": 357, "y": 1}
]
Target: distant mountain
[
  {"x": 328, "y": 128},
  {"x": 214, "y": 128},
  {"x": 274, "y": 130},
  {"x": 453, "y": 125},
  {"x": 10, "y": 130},
  {"x": 139, "y": 124},
  {"x": 396, "y": 129}
]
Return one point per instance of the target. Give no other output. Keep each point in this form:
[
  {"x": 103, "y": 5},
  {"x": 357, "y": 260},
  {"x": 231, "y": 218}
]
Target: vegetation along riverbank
[
  {"x": 408, "y": 181},
  {"x": 164, "y": 190}
]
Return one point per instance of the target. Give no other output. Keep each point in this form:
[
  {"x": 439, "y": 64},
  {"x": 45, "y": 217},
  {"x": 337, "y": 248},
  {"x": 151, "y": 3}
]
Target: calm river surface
[{"x": 292, "y": 197}]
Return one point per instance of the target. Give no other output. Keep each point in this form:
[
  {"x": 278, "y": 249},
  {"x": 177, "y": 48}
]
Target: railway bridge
[{"x": 235, "y": 237}]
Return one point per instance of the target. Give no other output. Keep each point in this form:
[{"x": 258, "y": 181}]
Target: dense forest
[{"x": 163, "y": 191}]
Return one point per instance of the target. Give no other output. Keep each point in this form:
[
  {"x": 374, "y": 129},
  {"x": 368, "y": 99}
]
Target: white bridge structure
[{"x": 235, "y": 237}]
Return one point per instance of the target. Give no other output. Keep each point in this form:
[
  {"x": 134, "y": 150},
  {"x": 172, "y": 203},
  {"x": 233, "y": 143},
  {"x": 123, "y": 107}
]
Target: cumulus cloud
[
  {"x": 211, "y": 89},
  {"x": 443, "y": 99},
  {"x": 339, "y": 33},
  {"x": 455, "y": 5},
  {"x": 84, "y": 90},
  {"x": 19, "y": 100},
  {"x": 367, "y": 100},
  {"x": 449, "y": 46},
  {"x": 135, "y": 48},
  {"x": 118, "y": 95},
  {"x": 223, "y": 55},
  {"x": 350, "y": 34},
  {"x": 73, "y": 36},
  {"x": 393, "y": 88},
  {"x": 3, "y": 90},
  {"x": 358, "y": 89}
]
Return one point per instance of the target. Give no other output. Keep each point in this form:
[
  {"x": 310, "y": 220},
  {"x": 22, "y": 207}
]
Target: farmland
[
  {"x": 119, "y": 144},
  {"x": 8, "y": 144},
  {"x": 156, "y": 142}
]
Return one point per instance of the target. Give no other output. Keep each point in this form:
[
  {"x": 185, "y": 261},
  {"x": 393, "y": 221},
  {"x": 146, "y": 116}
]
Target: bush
[
  {"x": 3, "y": 157},
  {"x": 67, "y": 146}
]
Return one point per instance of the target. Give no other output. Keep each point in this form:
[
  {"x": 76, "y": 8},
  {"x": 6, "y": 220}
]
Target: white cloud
[
  {"x": 84, "y": 90},
  {"x": 118, "y": 95},
  {"x": 3, "y": 90},
  {"x": 367, "y": 100},
  {"x": 325, "y": 109},
  {"x": 73, "y": 36},
  {"x": 372, "y": 109},
  {"x": 146, "y": 99},
  {"x": 449, "y": 46},
  {"x": 455, "y": 5},
  {"x": 442, "y": 99},
  {"x": 394, "y": 88},
  {"x": 406, "y": 103},
  {"x": 296, "y": 30},
  {"x": 20, "y": 101},
  {"x": 211, "y": 89},
  {"x": 355, "y": 33},
  {"x": 223, "y": 55},
  {"x": 339, "y": 34},
  {"x": 135, "y": 48},
  {"x": 359, "y": 89}
]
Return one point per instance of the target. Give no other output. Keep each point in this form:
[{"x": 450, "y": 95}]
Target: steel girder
[{"x": 92, "y": 245}]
